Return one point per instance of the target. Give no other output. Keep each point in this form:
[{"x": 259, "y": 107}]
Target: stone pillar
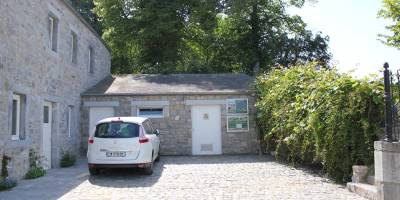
[{"x": 387, "y": 170}]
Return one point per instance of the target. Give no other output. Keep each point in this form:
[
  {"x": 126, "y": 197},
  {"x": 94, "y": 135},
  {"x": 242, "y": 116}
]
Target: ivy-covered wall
[{"x": 320, "y": 117}]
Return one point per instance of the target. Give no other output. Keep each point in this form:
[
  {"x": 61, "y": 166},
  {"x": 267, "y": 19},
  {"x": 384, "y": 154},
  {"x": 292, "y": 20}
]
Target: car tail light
[
  {"x": 91, "y": 140},
  {"x": 143, "y": 140}
]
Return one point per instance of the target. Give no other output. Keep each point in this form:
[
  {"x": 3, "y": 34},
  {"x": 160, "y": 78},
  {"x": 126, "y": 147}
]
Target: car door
[
  {"x": 150, "y": 134},
  {"x": 156, "y": 137}
]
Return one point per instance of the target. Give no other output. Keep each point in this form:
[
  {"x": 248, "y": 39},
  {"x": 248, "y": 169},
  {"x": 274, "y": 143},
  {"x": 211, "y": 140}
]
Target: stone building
[
  {"x": 49, "y": 55},
  {"x": 196, "y": 114}
]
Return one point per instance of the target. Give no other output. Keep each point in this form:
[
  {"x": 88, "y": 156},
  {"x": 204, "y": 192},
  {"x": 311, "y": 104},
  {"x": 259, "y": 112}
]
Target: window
[
  {"x": 16, "y": 117},
  {"x": 74, "y": 47},
  {"x": 151, "y": 112},
  {"x": 90, "y": 60},
  {"x": 69, "y": 122},
  {"x": 117, "y": 130},
  {"x": 53, "y": 31},
  {"x": 237, "y": 115}
]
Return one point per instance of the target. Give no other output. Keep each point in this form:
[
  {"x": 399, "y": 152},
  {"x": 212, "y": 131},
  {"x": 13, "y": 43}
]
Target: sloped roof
[{"x": 156, "y": 84}]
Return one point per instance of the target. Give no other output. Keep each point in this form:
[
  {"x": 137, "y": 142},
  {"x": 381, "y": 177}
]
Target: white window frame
[
  {"x": 74, "y": 47},
  {"x": 69, "y": 117},
  {"x": 18, "y": 117},
  {"x": 151, "y": 116},
  {"x": 53, "y": 38}
]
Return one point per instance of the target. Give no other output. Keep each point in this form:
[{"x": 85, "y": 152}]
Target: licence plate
[{"x": 115, "y": 154}]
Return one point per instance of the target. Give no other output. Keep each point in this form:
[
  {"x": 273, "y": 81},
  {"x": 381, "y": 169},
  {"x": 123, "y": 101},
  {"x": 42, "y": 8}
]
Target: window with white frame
[
  {"x": 53, "y": 32},
  {"x": 90, "y": 60},
  {"x": 16, "y": 117},
  {"x": 74, "y": 47},
  {"x": 237, "y": 115},
  {"x": 69, "y": 120},
  {"x": 151, "y": 112}
]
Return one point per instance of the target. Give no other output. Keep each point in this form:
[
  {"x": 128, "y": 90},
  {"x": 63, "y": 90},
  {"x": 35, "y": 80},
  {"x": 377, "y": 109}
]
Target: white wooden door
[
  {"x": 98, "y": 113},
  {"x": 206, "y": 130},
  {"x": 46, "y": 137}
]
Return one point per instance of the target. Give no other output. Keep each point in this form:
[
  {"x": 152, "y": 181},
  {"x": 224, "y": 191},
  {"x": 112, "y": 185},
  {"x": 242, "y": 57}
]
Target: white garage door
[
  {"x": 98, "y": 113},
  {"x": 206, "y": 130}
]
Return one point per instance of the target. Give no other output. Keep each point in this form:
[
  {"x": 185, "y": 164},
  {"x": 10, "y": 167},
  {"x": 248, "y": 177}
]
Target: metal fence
[{"x": 392, "y": 104}]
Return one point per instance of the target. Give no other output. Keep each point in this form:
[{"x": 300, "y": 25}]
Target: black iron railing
[{"x": 392, "y": 104}]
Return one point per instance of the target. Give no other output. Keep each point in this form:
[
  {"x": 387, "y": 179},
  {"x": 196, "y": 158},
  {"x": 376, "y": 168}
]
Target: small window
[
  {"x": 16, "y": 117},
  {"x": 117, "y": 130},
  {"x": 46, "y": 114},
  {"x": 53, "y": 31},
  {"x": 151, "y": 112},
  {"x": 90, "y": 60},
  {"x": 69, "y": 117},
  {"x": 74, "y": 47}
]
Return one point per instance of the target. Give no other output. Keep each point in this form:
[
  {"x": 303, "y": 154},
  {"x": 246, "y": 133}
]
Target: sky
[{"x": 353, "y": 28}]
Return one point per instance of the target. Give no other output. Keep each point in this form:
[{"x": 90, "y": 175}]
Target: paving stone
[{"x": 185, "y": 177}]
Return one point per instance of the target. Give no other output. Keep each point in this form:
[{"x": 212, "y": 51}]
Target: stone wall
[
  {"x": 175, "y": 128},
  {"x": 29, "y": 67}
]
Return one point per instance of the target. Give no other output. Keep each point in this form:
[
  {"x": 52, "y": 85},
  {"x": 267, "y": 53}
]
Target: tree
[
  {"x": 206, "y": 36},
  {"x": 391, "y": 10},
  {"x": 85, "y": 8}
]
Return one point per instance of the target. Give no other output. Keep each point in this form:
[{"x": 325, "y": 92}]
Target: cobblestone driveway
[{"x": 219, "y": 177}]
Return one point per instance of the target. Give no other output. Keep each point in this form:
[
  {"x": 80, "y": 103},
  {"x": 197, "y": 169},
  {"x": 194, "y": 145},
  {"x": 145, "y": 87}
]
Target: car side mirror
[{"x": 157, "y": 132}]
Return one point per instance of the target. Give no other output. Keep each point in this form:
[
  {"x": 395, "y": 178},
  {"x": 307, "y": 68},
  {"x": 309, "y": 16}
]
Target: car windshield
[{"x": 117, "y": 130}]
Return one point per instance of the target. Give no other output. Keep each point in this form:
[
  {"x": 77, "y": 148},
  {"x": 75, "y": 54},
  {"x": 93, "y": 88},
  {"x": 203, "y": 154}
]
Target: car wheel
[
  {"x": 148, "y": 169},
  {"x": 93, "y": 171}
]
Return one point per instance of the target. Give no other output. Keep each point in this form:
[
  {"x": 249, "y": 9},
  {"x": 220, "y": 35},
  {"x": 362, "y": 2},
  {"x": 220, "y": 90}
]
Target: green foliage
[
  {"x": 317, "y": 116},
  {"x": 35, "y": 168},
  {"x": 206, "y": 36},
  {"x": 391, "y": 11},
  {"x": 85, "y": 7},
  {"x": 7, "y": 183},
  {"x": 67, "y": 159},
  {"x": 35, "y": 172}
]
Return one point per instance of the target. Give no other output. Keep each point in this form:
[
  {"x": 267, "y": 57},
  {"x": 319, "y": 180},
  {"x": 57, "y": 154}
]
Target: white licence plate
[{"x": 115, "y": 154}]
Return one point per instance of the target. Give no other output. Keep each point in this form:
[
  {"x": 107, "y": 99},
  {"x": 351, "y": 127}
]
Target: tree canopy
[
  {"x": 391, "y": 11},
  {"x": 205, "y": 36}
]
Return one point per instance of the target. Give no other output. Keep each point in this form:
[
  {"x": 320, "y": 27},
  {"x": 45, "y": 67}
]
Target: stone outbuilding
[{"x": 197, "y": 114}]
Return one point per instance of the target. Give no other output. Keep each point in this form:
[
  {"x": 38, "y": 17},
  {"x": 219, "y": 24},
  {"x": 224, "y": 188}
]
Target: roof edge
[{"x": 166, "y": 94}]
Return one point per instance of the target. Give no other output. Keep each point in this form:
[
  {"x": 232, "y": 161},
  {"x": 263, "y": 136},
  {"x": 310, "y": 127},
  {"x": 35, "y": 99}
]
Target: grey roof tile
[{"x": 156, "y": 84}]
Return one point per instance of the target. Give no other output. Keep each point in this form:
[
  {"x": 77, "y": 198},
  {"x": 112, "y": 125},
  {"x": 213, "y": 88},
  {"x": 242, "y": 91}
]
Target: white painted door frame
[
  {"x": 47, "y": 122},
  {"x": 206, "y": 130}
]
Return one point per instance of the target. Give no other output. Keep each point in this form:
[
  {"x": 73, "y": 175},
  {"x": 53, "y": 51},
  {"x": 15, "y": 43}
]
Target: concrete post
[{"x": 387, "y": 170}]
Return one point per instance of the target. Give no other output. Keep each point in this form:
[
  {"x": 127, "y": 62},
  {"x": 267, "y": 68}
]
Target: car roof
[{"x": 137, "y": 120}]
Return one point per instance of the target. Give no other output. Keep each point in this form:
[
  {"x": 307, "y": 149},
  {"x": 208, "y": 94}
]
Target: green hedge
[{"x": 320, "y": 117}]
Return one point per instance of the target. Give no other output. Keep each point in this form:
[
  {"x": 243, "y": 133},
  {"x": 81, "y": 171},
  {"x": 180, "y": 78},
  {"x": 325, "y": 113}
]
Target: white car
[{"x": 123, "y": 142}]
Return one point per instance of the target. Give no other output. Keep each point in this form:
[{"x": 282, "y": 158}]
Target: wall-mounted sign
[
  {"x": 237, "y": 123},
  {"x": 237, "y": 106}
]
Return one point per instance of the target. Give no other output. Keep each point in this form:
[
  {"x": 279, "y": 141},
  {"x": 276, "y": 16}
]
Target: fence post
[{"x": 388, "y": 105}]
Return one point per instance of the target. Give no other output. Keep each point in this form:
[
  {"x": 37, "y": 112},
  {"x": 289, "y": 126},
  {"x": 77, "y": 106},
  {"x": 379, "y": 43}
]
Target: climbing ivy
[{"x": 315, "y": 116}]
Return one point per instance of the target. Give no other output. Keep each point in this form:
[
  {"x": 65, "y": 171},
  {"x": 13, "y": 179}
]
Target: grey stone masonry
[
  {"x": 387, "y": 170},
  {"x": 176, "y": 125},
  {"x": 31, "y": 68}
]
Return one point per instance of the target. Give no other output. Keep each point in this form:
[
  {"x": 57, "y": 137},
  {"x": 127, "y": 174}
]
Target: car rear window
[{"x": 117, "y": 130}]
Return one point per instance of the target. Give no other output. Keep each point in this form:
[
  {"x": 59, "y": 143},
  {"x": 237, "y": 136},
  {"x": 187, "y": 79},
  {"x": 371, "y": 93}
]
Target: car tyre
[
  {"x": 148, "y": 169},
  {"x": 158, "y": 158},
  {"x": 93, "y": 171}
]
